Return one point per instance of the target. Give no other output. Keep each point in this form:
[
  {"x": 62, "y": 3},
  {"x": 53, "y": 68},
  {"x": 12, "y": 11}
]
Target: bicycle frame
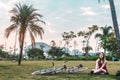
[
  {"x": 75, "y": 69},
  {"x": 60, "y": 69}
]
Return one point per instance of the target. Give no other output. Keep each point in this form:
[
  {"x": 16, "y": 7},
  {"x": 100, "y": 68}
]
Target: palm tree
[
  {"x": 87, "y": 49},
  {"x": 25, "y": 19},
  {"x": 112, "y": 45},
  {"x": 104, "y": 36},
  {"x": 115, "y": 23},
  {"x": 92, "y": 29}
]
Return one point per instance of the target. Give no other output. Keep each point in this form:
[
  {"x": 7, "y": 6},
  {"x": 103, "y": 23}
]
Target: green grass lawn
[{"x": 11, "y": 71}]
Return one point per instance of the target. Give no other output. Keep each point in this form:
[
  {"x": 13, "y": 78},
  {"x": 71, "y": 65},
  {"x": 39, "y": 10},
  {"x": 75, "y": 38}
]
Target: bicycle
[
  {"x": 60, "y": 69},
  {"x": 49, "y": 70}
]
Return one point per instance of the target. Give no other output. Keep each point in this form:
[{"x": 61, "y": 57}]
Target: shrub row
[{"x": 82, "y": 58}]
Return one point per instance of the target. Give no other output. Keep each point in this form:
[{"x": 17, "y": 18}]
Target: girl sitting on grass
[{"x": 101, "y": 65}]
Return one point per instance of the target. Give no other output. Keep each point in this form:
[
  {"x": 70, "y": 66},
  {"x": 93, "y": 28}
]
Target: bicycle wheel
[
  {"x": 72, "y": 70},
  {"x": 83, "y": 68},
  {"x": 44, "y": 71}
]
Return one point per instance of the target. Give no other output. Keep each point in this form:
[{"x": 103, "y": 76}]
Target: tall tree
[
  {"x": 87, "y": 49},
  {"x": 115, "y": 23},
  {"x": 24, "y": 18},
  {"x": 67, "y": 37},
  {"x": 83, "y": 48},
  {"x": 112, "y": 45},
  {"x": 87, "y": 35},
  {"x": 106, "y": 33}
]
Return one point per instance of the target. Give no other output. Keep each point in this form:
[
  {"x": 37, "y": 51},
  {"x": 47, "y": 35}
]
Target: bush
[
  {"x": 89, "y": 58},
  {"x": 68, "y": 58},
  {"x": 77, "y": 58},
  {"x": 109, "y": 58},
  {"x": 0, "y": 58},
  {"x": 92, "y": 58},
  {"x": 118, "y": 73}
]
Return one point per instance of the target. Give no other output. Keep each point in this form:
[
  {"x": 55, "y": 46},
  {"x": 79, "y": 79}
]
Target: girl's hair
[
  {"x": 101, "y": 59},
  {"x": 101, "y": 53}
]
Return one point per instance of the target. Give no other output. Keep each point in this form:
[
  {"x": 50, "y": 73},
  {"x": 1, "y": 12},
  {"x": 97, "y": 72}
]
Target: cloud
[
  {"x": 7, "y": 5},
  {"x": 13, "y": 1},
  {"x": 57, "y": 17},
  {"x": 3, "y": 5},
  {"x": 87, "y": 11},
  {"x": 49, "y": 27},
  {"x": 69, "y": 11},
  {"x": 106, "y": 6},
  {"x": 4, "y": 10}
]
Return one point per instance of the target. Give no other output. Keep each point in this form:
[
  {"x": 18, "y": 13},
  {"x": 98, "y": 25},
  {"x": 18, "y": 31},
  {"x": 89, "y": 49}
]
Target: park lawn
[{"x": 11, "y": 71}]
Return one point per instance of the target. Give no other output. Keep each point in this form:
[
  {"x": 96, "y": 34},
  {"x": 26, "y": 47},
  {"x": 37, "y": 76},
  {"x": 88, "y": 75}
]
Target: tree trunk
[
  {"x": 115, "y": 23},
  {"x": 21, "y": 52},
  {"x": 105, "y": 46},
  {"x": 15, "y": 44},
  {"x": 87, "y": 45}
]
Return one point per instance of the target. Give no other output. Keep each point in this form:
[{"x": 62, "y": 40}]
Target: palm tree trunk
[
  {"x": 21, "y": 41},
  {"x": 21, "y": 51},
  {"x": 15, "y": 44},
  {"x": 115, "y": 23},
  {"x": 105, "y": 47}
]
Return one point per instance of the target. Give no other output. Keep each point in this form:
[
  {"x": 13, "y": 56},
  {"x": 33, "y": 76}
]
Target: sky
[{"x": 60, "y": 16}]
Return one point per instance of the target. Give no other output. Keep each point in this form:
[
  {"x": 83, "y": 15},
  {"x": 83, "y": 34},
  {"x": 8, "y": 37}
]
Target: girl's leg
[
  {"x": 96, "y": 71},
  {"x": 100, "y": 71},
  {"x": 103, "y": 70}
]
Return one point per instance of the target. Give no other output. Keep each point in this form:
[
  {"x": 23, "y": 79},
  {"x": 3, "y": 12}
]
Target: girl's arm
[
  {"x": 103, "y": 64},
  {"x": 96, "y": 67}
]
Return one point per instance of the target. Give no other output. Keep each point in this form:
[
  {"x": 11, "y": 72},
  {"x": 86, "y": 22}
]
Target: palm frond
[
  {"x": 37, "y": 30},
  {"x": 9, "y": 30},
  {"x": 14, "y": 10},
  {"x": 32, "y": 39},
  {"x": 15, "y": 19},
  {"x": 42, "y": 21},
  {"x": 98, "y": 35}
]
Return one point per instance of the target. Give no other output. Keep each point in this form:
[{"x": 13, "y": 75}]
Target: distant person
[
  {"x": 114, "y": 58},
  {"x": 101, "y": 65}
]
